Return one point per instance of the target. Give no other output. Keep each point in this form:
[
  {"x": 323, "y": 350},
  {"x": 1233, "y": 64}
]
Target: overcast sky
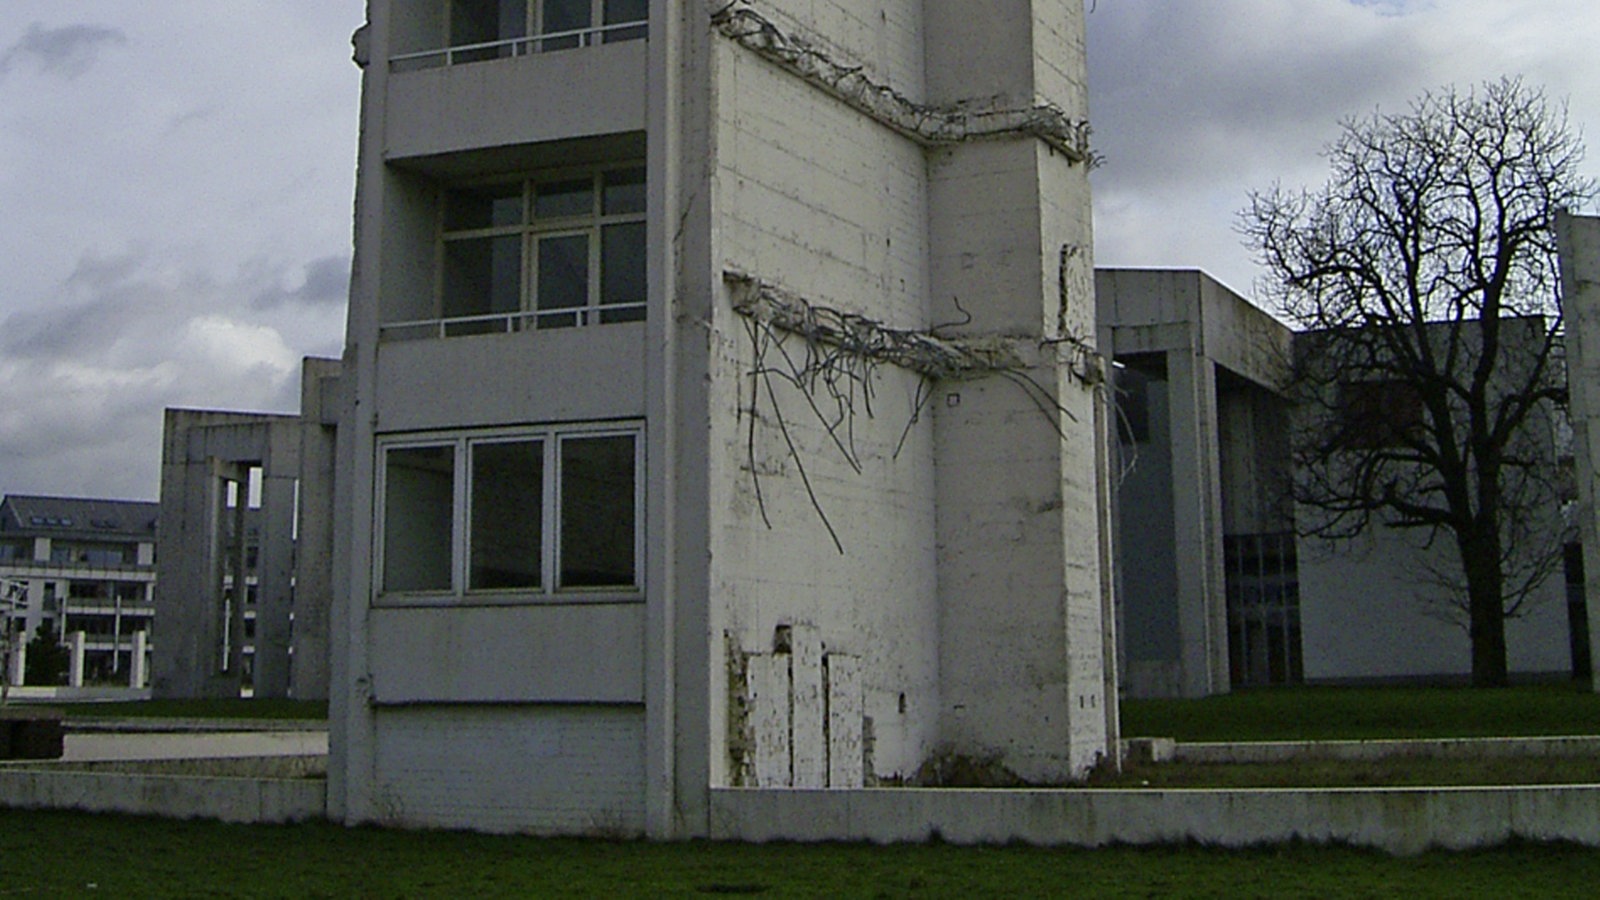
[{"x": 176, "y": 179}]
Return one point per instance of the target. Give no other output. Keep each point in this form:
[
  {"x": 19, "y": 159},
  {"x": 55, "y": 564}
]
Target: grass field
[
  {"x": 1337, "y": 713},
  {"x": 51, "y": 854}
]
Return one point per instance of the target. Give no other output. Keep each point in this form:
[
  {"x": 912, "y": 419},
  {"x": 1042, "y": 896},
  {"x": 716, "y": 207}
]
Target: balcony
[{"x": 519, "y": 46}]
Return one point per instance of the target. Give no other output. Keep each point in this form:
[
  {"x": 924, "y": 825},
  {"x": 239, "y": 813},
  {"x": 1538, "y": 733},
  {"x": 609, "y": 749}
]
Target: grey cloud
[
  {"x": 326, "y": 283},
  {"x": 67, "y": 51}
]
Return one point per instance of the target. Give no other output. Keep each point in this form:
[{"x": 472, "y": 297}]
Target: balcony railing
[
  {"x": 519, "y": 46},
  {"x": 506, "y": 323}
]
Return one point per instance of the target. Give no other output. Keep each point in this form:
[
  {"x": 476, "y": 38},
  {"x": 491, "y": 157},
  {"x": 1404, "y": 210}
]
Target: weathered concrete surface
[
  {"x": 1579, "y": 240},
  {"x": 1395, "y": 820},
  {"x": 253, "y": 800},
  {"x": 87, "y": 747}
]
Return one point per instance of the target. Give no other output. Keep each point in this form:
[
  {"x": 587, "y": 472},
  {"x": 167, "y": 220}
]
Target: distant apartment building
[
  {"x": 84, "y": 565},
  {"x": 722, "y": 409}
]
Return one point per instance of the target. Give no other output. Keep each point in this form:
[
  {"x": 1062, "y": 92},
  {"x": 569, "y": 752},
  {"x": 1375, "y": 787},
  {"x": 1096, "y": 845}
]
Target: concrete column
[
  {"x": 1197, "y": 521},
  {"x": 136, "y": 665},
  {"x": 75, "y": 642},
  {"x": 17, "y": 664},
  {"x": 1579, "y": 240}
]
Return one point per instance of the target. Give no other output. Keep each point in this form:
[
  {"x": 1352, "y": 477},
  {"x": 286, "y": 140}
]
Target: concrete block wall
[{"x": 1579, "y": 240}]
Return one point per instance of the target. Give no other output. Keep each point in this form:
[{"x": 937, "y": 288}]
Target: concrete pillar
[
  {"x": 136, "y": 665},
  {"x": 1579, "y": 241},
  {"x": 1197, "y": 521},
  {"x": 17, "y": 663},
  {"x": 75, "y": 642}
]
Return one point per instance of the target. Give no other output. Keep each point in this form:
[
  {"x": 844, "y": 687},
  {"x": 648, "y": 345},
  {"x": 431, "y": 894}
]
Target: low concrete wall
[
  {"x": 1396, "y": 820},
  {"x": 1449, "y": 748},
  {"x": 229, "y": 799}
]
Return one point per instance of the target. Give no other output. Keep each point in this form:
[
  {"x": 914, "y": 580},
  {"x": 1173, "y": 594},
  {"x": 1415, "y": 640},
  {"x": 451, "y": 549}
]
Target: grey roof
[{"x": 79, "y": 517}]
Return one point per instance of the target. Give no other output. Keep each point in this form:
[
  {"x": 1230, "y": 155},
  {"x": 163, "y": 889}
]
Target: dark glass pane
[
  {"x": 619, "y": 11},
  {"x": 487, "y": 206},
  {"x": 613, "y": 315},
  {"x": 622, "y": 268},
  {"x": 624, "y": 192},
  {"x": 418, "y": 504},
  {"x": 507, "y": 536},
  {"x": 486, "y": 21},
  {"x": 565, "y": 15},
  {"x": 482, "y": 276},
  {"x": 597, "y": 512},
  {"x": 564, "y": 198},
  {"x": 563, "y": 272}
]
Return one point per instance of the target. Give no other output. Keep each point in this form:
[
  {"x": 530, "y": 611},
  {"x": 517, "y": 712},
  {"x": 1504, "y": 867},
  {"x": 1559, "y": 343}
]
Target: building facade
[
  {"x": 1220, "y": 587},
  {"x": 86, "y": 566},
  {"x": 723, "y": 409}
]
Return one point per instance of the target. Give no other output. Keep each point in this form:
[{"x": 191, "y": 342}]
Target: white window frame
[
  {"x": 530, "y": 230},
  {"x": 549, "y": 590}
]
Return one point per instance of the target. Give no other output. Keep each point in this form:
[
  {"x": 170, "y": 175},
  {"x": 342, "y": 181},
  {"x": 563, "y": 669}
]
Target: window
[
  {"x": 1377, "y": 414},
  {"x": 543, "y": 253},
  {"x": 494, "y": 29},
  {"x": 540, "y": 512}
]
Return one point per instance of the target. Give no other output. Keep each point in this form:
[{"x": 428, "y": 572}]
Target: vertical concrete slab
[
  {"x": 808, "y": 723},
  {"x": 75, "y": 642},
  {"x": 139, "y": 665},
  {"x": 846, "y": 762},
  {"x": 1578, "y": 238},
  {"x": 1197, "y": 511},
  {"x": 17, "y": 663},
  {"x": 767, "y": 687}
]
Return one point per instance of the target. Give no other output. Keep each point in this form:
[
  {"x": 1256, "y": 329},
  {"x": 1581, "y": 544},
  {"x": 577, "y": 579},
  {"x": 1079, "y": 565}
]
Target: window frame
[
  {"x": 550, "y": 590},
  {"x": 531, "y": 229},
  {"x": 533, "y": 40}
]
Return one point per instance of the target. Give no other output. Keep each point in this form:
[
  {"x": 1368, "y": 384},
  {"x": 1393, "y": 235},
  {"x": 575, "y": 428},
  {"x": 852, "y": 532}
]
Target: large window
[
  {"x": 553, "y": 252},
  {"x": 492, "y": 29},
  {"x": 540, "y": 512}
]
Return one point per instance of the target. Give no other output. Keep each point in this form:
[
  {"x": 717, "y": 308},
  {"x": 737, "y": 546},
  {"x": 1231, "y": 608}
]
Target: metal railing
[
  {"x": 519, "y": 46},
  {"x": 507, "y": 323}
]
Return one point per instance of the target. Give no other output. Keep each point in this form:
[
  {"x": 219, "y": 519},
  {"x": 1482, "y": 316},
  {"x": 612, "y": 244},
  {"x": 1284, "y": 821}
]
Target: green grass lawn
[
  {"x": 1338, "y": 713},
  {"x": 55, "y": 854}
]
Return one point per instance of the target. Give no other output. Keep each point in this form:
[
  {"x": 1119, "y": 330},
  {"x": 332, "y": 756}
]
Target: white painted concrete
[{"x": 101, "y": 747}]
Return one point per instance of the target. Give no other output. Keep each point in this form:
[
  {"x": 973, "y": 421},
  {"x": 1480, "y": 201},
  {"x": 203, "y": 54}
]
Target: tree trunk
[{"x": 1480, "y": 560}]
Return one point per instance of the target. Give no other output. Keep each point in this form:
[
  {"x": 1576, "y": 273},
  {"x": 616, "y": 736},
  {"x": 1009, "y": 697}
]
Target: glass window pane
[
  {"x": 565, "y": 15},
  {"x": 506, "y": 536},
  {"x": 622, "y": 278},
  {"x": 486, "y": 206},
  {"x": 624, "y": 192},
  {"x": 482, "y": 276},
  {"x": 418, "y": 505},
  {"x": 619, "y": 11},
  {"x": 564, "y": 198},
  {"x": 486, "y": 21},
  {"x": 597, "y": 512},
  {"x": 563, "y": 272}
]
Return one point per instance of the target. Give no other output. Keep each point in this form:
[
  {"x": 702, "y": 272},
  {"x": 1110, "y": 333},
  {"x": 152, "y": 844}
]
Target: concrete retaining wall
[
  {"x": 1445, "y": 748},
  {"x": 254, "y": 800},
  {"x": 1396, "y": 820}
]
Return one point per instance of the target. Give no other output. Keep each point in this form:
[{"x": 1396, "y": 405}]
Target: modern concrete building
[
  {"x": 1216, "y": 591},
  {"x": 723, "y": 411},
  {"x": 88, "y": 566},
  {"x": 246, "y": 547}
]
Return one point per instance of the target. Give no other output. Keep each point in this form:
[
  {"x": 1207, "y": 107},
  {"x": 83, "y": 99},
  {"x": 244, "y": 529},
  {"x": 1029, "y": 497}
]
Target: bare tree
[{"x": 1424, "y": 275}]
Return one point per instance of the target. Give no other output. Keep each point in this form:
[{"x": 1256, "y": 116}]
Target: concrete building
[
  {"x": 724, "y": 409},
  {"x": 86, "y": 566},
  {"x": 246, "y": 547},
  {"x": 1216, "y": 591}
]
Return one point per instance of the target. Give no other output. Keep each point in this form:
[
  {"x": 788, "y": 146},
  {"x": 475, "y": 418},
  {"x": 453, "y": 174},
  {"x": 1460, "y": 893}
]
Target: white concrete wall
[
  {"x": 822, "y": 200},
  {"x": 540, "y": 769},
  {"x": 1369, "y": 611}
]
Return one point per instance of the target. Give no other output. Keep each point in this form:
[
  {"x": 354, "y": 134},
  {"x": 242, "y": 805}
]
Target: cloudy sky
[{"x": 176, "y": 178}]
